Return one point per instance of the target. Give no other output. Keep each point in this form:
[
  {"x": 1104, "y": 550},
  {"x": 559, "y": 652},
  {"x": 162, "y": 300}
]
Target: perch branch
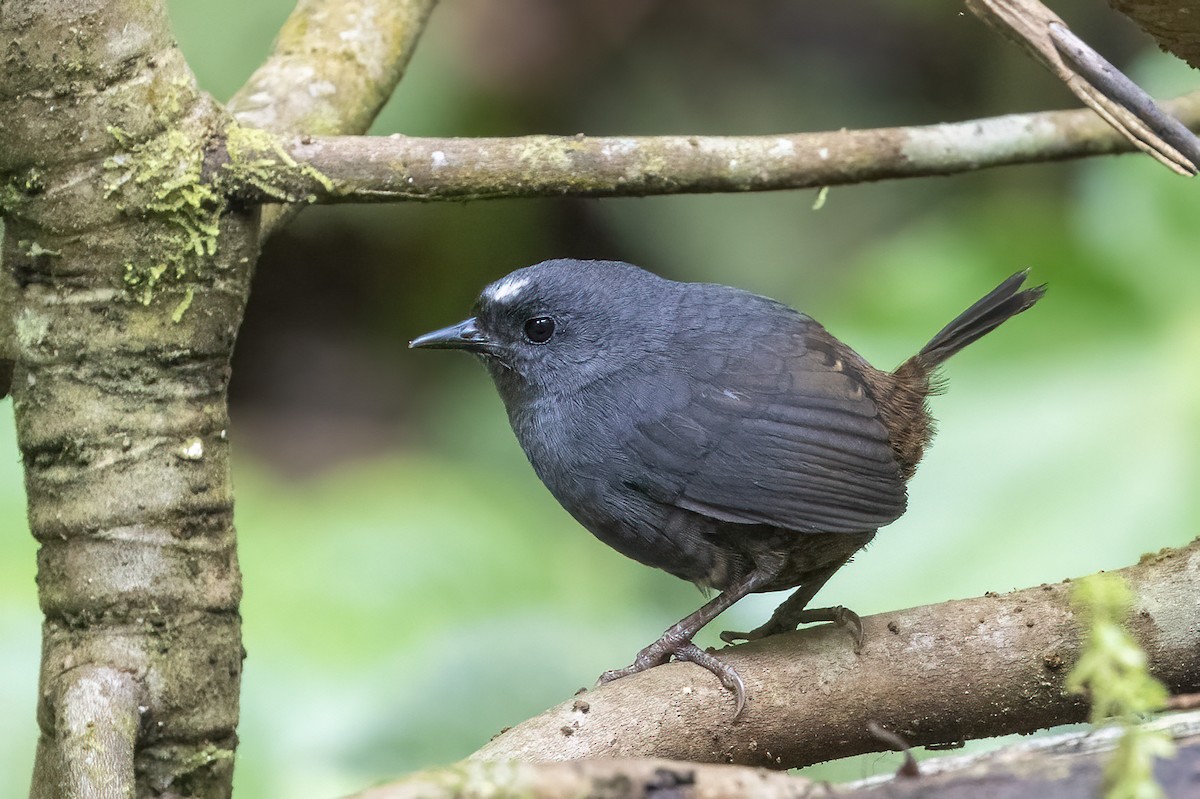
[
  {"x": 958, "y": 670},
  {"x": 397, "y": 168}
]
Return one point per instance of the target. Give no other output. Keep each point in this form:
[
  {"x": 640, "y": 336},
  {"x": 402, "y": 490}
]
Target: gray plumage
[{"x": 701, "y": 429}]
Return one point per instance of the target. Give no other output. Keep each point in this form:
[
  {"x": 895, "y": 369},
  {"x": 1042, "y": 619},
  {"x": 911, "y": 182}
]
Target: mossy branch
[
  {"x": 333, "y": 67},
  {"x": 330, "y": 169},
  {"x": 162, "y": 179}
]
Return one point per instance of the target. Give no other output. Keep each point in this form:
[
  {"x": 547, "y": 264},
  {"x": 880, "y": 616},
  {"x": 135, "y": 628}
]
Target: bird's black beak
[{"x": 466, "y": 335}]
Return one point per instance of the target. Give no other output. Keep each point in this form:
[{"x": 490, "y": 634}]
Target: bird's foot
[
  {"x": 664, "y": 648},
  {"x": 656, "y": 654},
  {"x": 786, "y": 622}
]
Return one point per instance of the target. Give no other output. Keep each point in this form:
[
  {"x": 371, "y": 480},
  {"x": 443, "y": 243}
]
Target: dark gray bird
[{"x": 712, "y": 433}]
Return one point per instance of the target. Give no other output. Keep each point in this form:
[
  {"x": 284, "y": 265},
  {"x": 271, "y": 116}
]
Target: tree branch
[
  {"x": 334, "y": 65},
  {"x": 1060, "y": 766},
  {"x": 1063, "y": 766},
  {"x": 129, "y": 276},
  {"x": 397, "y": 168},
  {"x": 96, "y": 722},
  {"x": 958, "y": 670},
  {"x": 628, "y": 779}
]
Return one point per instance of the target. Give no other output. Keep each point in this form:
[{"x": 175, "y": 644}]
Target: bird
[{"x": 710, "y": 432}]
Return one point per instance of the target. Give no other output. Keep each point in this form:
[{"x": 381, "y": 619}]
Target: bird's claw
[
  {"x": 845, "y": 617},
  {"x": 662, "y": 650},
  {"x": 723, "y": 671},
  {"x": 732, "y": 637}
]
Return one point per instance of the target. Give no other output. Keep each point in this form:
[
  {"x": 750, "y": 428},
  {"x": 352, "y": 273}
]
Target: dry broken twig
[{"x": 1103, "y": 88}]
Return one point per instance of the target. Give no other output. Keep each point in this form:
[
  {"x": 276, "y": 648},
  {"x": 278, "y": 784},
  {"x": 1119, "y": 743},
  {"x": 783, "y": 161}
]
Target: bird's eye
[{"x": 539, "y": 329}]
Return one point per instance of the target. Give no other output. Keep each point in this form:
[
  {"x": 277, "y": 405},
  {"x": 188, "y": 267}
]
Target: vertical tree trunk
[{"x": 131, "y": 277}]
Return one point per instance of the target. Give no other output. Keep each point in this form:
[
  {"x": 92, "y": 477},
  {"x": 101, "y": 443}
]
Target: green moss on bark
[
  {"x": 257, "y": 158},
  {"x": 163, "y": 180}
]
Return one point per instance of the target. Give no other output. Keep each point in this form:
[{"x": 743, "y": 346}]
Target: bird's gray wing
[{"x": 781, "y": 430}]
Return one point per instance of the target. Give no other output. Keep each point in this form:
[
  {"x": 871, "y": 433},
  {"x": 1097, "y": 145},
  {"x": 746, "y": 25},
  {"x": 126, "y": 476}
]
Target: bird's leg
[
  {"x": 793, "y": 612},
  {"x": 677, "y": 640}
]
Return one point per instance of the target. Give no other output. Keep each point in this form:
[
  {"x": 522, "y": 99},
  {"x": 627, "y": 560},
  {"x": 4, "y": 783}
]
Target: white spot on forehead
[{"x": 506, "y": 289}]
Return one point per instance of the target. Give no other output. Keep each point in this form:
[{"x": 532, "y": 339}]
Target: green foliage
[
  {"x": 18, "y": 187},
  {"x": 1113, "y": 672},
  {"x": 1129, "y": 774}
]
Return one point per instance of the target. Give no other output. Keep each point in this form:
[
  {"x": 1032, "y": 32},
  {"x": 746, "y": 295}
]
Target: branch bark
[
  {"x": 627, "y": 779},
  {"x": 333, "y": 169},
  {"x": 958, "y": 670},
  {"x": 130, "y": 276},
  {"x": 1068, "y": 766},
  {"x": 334, "y": 65},
  {"x": 97, "y": 717},
  {"x": 1174, "y": 24},
  {"x": 1064, "y": 767}
]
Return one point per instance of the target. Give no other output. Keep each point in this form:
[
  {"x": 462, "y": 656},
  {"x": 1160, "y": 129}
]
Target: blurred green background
[{"x": 410, "y": 588}]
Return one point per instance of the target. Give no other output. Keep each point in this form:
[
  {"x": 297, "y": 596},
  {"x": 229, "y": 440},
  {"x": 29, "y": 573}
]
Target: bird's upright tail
[
  {"x": 902, "y": 404},
  {"x": 1001, "y": 304}
]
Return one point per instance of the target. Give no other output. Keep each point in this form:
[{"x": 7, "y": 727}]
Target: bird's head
[{"x": 556, "y": 326}]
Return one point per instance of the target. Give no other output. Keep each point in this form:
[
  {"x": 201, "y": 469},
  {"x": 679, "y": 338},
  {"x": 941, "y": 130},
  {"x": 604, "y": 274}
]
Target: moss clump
[
  {"x": 162, "y": 179},
  {"x": 18, "y": 188},
  {"x": 141, "y": 281},
  {"x": 1113, "y": 672},
  {"x": 258, "y": 159}
]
